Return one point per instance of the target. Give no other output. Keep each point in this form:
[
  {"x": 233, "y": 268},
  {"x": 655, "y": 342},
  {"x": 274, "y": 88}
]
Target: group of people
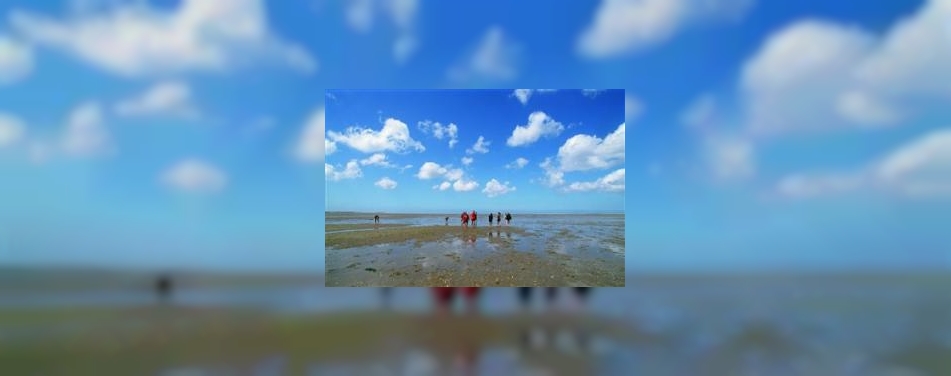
[
  {"x": 445, "y": 297},
  {"x": 466, "y": 218}
]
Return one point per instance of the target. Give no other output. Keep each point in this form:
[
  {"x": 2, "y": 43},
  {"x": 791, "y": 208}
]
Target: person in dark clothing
[
  {"x": 376, "y": 219},
  {"x": 491, "y": 218},
  {"x": 163, "y": 287},
  {"x": 447, "y": 221},
  {"x": 508, "y": 218},
  {"x": 498, "y": 216}
]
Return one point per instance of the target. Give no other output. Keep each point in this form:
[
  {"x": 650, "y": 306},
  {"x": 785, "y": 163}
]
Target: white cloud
[
  {"x": 86, "y": 134},
  {"x": 394, "y": 136},
  {"x": 804, "y": 186},
  {"x": 539, "y": 125},
  {"x": 440, "y": 131},
  {"x": 523, "y": 95},
  {"x": 194, "y": 176},
  {"x": 494, "y": 59},
  {"x": 431, "y": 170},
  {"x": 377, "y": 159},
  {"x": 16, "y": 60},
  {"x": 591, "y": 93},
  {"x": 467, "y": 161},
  {"x": 701, "y": 113},
  {"x": 135, "y": 39},
  {"x": 454, "y": 174},
  {"x": 404, "y": 168},
  {"x": 585, "y": 152},
  {"x": 494, "y": 188},
  {"x": 624, "y": 26},
  {"x": 360, "y": 16},
  {"x": 633, "y": 108},
  {"x": 12, "y": 130},
  {"x": 553, "y": 176},
  {"x": 612, "y": 182},
  {"x": 517, "y": 163},
  {"x": 920, "y": 168},
  {"x": 818, "y": 75},
  {"x": 311, "y": 144},
  {"x": 171, "y": 98},
  {"x": 386, "y": 183},
  {"x": 730, "y": 158},
  {"x": 465, "y": 185},
  {"x": 443, "y": 186},
  {"x": 350, "y": 171},
  {"x": 480, "y": 146}
]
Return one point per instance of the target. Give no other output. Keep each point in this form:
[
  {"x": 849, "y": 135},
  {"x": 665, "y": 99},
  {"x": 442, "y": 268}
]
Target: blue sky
[
  {"x": 453, "y": 150},
  {"x": 808, "y": 134}
]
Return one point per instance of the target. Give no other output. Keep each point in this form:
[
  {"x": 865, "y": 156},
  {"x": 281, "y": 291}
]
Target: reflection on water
[{"x": 765, "y": 326}]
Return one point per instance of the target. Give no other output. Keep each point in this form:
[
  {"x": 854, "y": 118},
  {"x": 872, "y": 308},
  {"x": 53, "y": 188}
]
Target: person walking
[
  {"x": 465, "y": 219},
  {"x": 474, "y": 218},
  {"x": 498, "y": 217},
  {"x": 376, "y": 219},
  {"x": 447, "y": 221},
  {"x": 508, "y": 219},
  {"x": 491, "y": 217}
]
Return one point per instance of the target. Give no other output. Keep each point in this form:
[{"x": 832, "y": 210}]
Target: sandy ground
[
  {"x": 453, "y": 256},
  {"x": 111, "y": 343}
]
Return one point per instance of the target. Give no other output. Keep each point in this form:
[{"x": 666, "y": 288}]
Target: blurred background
[{"x": 161, "y": 199}]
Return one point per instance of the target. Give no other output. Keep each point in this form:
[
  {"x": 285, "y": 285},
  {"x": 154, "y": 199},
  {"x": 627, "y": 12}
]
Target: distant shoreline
[{"x": 445, "y": 212}]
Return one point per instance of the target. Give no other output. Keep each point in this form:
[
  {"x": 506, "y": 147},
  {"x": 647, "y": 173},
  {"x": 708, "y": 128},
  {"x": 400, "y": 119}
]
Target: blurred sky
[{"x": 807, "y": 134}]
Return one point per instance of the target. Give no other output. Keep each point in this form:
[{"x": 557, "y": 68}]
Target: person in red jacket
[
  {"x": 443, "y": 297},
  {"x": 472, "y": 299},
  {"x": 465, "y": 219},
  {"x": 474, "y": 218}
]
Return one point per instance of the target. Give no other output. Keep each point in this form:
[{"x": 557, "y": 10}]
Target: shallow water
[
  {"x": 838, "y": 326},
  {"x": 556, "y": 250}
]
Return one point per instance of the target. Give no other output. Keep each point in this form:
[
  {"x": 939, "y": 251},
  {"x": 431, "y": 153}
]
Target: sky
[
  {"x": 764, "y": 135},
  {"x": 450, "y": 151}
]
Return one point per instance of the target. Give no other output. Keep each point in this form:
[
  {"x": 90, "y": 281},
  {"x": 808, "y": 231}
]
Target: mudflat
[{"x": 564, "y": 251}]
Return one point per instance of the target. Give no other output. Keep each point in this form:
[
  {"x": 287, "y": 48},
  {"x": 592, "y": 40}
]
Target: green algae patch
[{"x": 385, "y": 235}]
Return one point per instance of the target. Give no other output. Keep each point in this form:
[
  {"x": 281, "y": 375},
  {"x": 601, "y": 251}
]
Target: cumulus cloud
[
  {"x": 523, "y": 95},
  {"x": 194, "y": 176},
  {"x": 12, "y": 130},
  {"x": 816, "y": 75},
  {"x": 170, "y": 98},
  {"x": 311, "y": 143},
  {"x": 920, "y": 168},
  {"x": 585, "y": 152},
  {"x": 494, "y": 59},
  {"x": 625, "y": 26},
  {"x": 394, "y": 136},
  {"x": 440, "y": 131},
  {"x": 539, "y": 125},
  {"x": 494, "y": 188},
  {"x": 633, "y": 108},
  {"x": 136, "y": 39},
  {"x": 443, "y": 186},
  {"x": 467, "y": 161},
  {"x": 612, "y": 182},
  {"x": 553, "y": 176},
  {"x": 517, "y": 163},
  {"x": 431, "y": 170},
  {"x": 730, "y": 158},
  {"x": 360, "y": 16},
  {"x": 16, "y": 60},
  {"x": 465, "y": 185},
  {"x": 386, "y": 183},
  {"x": 350, "y": 171},
  {"x": 86, "y": 134},
  {"x": 481, "y": 146},
  {"x": 377, "y": 159}
]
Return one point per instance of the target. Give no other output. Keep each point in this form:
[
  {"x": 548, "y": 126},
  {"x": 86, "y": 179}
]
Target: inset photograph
[{"x": 518, "y": 187}]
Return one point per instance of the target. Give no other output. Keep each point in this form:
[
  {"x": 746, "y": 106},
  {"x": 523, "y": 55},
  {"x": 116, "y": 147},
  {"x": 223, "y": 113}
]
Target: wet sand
[
  {"x": 504, "y": 256},
  {"x": 240, "y": 341}
]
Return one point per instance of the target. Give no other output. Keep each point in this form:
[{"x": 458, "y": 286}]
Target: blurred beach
[
  {"x": 421, "y": 250},
  {"x": 786, "y": 324}
]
